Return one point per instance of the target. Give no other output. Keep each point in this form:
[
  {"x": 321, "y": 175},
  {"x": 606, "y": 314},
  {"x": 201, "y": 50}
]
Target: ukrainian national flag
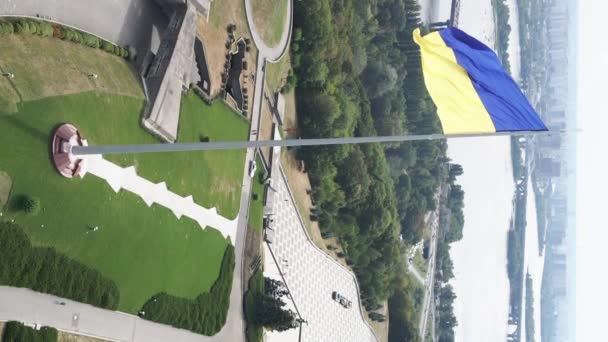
[{"x": 472, "y": 91}]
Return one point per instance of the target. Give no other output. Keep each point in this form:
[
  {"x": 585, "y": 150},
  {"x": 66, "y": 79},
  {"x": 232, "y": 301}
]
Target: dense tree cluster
[
  {"x": 45, "y": 270},
  {"x": 359, "y": 73},
  {"x": 205, "y": 314},
  {"x": 265, "y": 307},
  {"x": 445, "y": 312},
  {"x": 402, "y": 319},
  {"x": 17, "y": 332}
]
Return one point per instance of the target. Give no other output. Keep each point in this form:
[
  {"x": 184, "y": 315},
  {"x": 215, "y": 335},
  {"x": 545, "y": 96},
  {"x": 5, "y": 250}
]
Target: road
[{"x": 428, "y": 307}]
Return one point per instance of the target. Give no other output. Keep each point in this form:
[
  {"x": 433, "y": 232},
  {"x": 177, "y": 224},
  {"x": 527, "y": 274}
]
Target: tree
[
  {"x": 378, "y": 78},
  {"x": 275, "y": 288},
  {"x": 455, "y": 170},
  {"x": 270, "y": 313},
  {"x": 27, "y": 204}
]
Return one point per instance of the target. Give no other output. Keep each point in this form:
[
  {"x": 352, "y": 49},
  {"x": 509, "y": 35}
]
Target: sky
[{"x": 592, "y": 167}]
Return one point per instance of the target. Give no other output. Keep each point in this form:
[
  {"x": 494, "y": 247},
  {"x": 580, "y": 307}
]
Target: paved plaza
[{"x": 312, "y": 276}]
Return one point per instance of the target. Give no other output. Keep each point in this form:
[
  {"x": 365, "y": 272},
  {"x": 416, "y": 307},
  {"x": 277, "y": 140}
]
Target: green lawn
[
  {"x": 269, "y": 17},
  {"x": 256, "y": 207},
  {"x": 143, "y": 250},
  {"x": 213, "y": 178},
  {"x": 45, "y": 67}
]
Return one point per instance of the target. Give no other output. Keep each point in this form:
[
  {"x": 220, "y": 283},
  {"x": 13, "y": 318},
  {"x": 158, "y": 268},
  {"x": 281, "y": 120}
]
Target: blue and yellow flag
[{"x": 472, "y": 91}]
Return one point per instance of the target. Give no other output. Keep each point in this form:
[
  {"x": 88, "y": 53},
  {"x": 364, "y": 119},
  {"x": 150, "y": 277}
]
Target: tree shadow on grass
[{"x": 22, "y": 125}]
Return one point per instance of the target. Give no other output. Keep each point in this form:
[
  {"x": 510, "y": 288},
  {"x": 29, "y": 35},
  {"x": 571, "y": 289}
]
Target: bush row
[
  {"x": 46, "y": 29},
  {"x": 206, "y": 314},
  {"x": 17, "y": 332},
  {"x": 45, "y": 270}
]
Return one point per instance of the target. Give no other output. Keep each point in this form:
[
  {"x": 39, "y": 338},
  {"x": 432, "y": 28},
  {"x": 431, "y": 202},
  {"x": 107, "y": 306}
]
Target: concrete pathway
[
  {"x": 24, "y": 305},
  {"x": 126, "y": 178},
  {"x": 271, "y": 53}
]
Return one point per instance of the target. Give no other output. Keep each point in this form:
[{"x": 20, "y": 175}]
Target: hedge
[
  {"x": 17, "y": 332},
  {"x": 206, "y": 314},
  {"x": 45, "y": 270},
  {"x": 46, "y": 29}
]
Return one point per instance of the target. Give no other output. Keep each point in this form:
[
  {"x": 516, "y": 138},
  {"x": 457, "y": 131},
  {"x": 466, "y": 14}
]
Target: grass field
[
  {"x": 213, "y": 178},
  {"x": 45, "y": 67},
  {"x": 269, "y": 17},
  {"x": 256, "y": 208},
  {"x": 144, "y": 250}
]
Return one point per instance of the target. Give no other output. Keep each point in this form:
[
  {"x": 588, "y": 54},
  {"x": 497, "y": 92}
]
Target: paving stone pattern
[{"x": 312, "y": 276}]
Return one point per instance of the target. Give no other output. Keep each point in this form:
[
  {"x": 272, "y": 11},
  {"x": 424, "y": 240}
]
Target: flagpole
[{"x": 228, "y": 145}]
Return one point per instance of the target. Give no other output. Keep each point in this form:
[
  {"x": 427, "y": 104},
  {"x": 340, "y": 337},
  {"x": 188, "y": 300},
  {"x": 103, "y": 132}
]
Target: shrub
[
  {"x": 22, "y": 27},
  {"x": 107, "y": 46},
  {"x": 67, "y": 34},
  {"x": 44, "y": 270},
  {"x": 91, "y": 40},
  {"x": 27, "y": 204},
  {"x": 206, "y": 314},
  {"x": 35, "y": 28},
  {"x": 77, "y": 37},
  {"x": 46, "y": 29},
  {"x": 15, "y": 331},
  {"x": 7, "y": 28}
]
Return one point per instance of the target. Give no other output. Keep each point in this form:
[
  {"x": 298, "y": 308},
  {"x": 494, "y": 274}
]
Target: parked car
[
  {"x": 252, "y": 168},
  {"x": 341, "y": 300}
]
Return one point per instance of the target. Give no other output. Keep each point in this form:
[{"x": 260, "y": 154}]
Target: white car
[
  {"x": 341, "y": 299},
  {"x": 252, "y": 168}
]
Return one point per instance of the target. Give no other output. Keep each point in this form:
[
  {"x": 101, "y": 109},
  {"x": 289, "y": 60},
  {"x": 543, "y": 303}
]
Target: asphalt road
[
  {"x": 234, "y": 329},
  {"x": 428, "y": 303}
]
